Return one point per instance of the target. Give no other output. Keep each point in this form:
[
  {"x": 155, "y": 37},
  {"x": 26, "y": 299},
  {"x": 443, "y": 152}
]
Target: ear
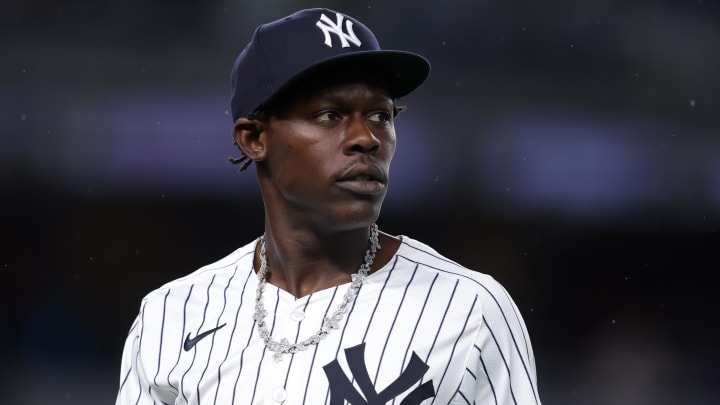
[{"x": 249, "y": 138}]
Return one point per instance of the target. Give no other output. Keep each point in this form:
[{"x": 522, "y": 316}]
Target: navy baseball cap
[{"x": 284, "y": 51}]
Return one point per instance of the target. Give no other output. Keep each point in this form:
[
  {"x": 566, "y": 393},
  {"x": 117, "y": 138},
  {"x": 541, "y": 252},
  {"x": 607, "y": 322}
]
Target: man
[{"x": 324, "y": 308}]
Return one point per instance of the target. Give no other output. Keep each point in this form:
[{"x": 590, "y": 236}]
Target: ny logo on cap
[{"x": 328, "y": 26}]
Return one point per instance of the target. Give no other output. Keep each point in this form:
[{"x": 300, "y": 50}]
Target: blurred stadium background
[{"x": 569, "y": 148}]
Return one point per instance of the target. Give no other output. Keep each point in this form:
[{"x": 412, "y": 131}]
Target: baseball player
[{"x": 325, "y": 308}]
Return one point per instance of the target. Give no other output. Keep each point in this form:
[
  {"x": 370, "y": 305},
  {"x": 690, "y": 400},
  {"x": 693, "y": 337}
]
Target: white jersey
[{"x": 422, "y": 330}]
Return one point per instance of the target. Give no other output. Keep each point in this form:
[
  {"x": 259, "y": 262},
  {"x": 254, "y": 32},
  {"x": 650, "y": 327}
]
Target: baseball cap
[{"x": 284, "y": 51}]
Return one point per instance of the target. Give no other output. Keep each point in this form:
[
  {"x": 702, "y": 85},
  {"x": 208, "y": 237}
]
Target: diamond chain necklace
[{"x": 329, "y": 323}]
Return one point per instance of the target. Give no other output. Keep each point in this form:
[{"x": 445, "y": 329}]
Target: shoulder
[
  {"x": 430, "y": 260},
  {"x": 217, "y": 274},
  {"x": 472, "y": 285},
  {"x": 488, "y": 298}
]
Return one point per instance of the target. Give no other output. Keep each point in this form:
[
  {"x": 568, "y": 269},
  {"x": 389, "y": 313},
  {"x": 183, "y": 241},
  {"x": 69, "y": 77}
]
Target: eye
[
  {"x": 380, "y": 116},
  {"x": 328, "y": 116}
]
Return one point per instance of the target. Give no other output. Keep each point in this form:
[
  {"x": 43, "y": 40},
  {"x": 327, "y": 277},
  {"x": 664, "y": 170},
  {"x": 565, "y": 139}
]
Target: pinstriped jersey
[{"x": 422, "y": 330}]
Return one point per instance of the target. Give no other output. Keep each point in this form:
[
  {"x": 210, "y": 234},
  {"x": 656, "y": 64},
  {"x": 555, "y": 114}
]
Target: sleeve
[
  {"x": 135, "y": 387},
  {"x": 501, "y": 367}
]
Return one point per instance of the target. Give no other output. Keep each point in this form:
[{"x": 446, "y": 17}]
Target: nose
[{"x": 360, "y": 138}]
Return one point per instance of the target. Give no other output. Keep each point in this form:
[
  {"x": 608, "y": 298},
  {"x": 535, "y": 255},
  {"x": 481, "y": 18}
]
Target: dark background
[{"x": 569, "y": 148}]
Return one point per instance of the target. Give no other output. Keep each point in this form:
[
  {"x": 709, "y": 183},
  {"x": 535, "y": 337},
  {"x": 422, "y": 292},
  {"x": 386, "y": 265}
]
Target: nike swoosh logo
[{"x": 190, "y": 343}]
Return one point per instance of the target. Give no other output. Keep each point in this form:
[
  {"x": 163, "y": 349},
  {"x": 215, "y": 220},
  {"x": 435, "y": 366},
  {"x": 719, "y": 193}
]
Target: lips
[{"x": 363, "y": 179}]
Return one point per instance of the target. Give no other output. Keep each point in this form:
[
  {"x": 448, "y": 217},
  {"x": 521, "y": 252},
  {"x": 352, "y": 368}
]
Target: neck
[{"x": 302, "y": 261}]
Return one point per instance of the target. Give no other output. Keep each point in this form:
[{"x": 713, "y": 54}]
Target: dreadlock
[{"x": 243, "y": 160}]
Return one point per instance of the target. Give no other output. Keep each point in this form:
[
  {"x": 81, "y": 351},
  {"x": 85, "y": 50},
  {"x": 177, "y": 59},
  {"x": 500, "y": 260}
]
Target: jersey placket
[{"x": 289, "y": 317}]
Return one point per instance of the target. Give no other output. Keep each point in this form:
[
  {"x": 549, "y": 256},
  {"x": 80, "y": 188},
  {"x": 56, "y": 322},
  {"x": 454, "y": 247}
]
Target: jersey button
[
  {"x": 279, "y": 395},
  {"x": 297, "y": 315}
]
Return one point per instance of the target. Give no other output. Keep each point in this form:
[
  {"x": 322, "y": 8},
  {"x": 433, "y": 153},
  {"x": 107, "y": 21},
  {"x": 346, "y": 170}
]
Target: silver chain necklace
[{"x": 329, "y": 323}]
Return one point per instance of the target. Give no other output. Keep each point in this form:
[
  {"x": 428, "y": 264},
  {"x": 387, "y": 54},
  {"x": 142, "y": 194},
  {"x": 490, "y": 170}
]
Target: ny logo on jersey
[
  {"x": 329, "y": 27},
  {"x": 342, "y": 389}
]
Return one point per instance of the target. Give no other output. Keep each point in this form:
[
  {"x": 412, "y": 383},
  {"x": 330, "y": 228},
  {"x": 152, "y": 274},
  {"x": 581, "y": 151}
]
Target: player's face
[{"x": 329, "y": 151}]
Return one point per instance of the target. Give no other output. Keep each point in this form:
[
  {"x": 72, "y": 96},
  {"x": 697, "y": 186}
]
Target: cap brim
[{"x": 403, "y": 71}]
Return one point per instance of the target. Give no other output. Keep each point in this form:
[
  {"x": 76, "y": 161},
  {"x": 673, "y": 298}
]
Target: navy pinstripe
[
  {"x": 412, "y": 337},
  {"x": 392, "y": 327},
  {"x": 527, "y": 345},
  {"x": 461, "y": 325},
  {"x": 212, "y": 341},
  {"x": 342, "y": 335},
  {"x": 272, "y": 328},
  {"x": 312, "y": 363},
  {"x": 487, "y": 375},
  {"x": 232, "y": 333},
  {"x": 181, "y": 338},
  {"x": 452, "y": 353},
  {"x": 162, "y": 330},
  {"x": 202, "y": 323}
]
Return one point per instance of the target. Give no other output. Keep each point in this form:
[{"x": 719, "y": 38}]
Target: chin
[{"x": 354, "y": 218}]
